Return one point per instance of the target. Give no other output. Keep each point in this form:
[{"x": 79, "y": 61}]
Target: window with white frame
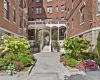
[
  {"x": 32, "y": 9},
  {"x": 57, "y": 9},
  {"x": 98, "y": 7},
  {"x": 6, "y": 9},
  {"x": 38, "y": 19},
  {"x": 49, "y": 19},
  {"x": 82, "y": 15},
  {"x": 38, "y": 10},
  {"x": 21, "y": 3},
  {"x": 49, "y": 0},
  {"x": 62, "y": 8},
  {"x": 38, "y": 0},
  {"x": 62, "y": 18},
  {"x": 49, "y": 9}
]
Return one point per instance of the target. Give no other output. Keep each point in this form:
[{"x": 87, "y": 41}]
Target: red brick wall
[
  {"x": 44, "y": 5},
  {"x": 90, "y": 18},
  {"x": 9, "y": 24}
]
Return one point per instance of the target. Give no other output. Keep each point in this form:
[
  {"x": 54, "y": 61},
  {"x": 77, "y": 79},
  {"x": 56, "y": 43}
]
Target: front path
[{"x": 48, "y": 67}]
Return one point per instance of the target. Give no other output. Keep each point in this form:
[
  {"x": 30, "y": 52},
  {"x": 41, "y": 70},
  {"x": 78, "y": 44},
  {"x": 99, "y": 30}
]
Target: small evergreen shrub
[{"x": 98, "y": 43}]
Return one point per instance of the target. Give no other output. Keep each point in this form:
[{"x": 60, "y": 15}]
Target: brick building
[
  {"x": 46, "y": 17},
  {"x": 46, "y": 10},
  {"x": 13, "y": 17},
  {"x": 83, "y": 19}
]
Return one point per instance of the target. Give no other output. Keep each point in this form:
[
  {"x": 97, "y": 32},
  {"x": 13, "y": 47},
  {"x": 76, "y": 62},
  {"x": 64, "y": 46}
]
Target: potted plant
[
  {"x": 55, "y": 46},
  {"x": 36, "y": 46}
]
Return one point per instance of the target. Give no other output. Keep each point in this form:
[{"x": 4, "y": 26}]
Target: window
[
  {"x": 14, "y": 15},
  {"x": 57, "y": 9},
  {"x": 49, "y": 9},
  {"x": 62, "y": 8},
  {"x": 20, "y": 21},
  {"x": 32, "y": 19},
  {"x": 49, "y": 0},
  {"x": 38, "y": 10},
  {"x": 32, "y": 9},
  {"x": 24, "y": 23},
  {"x": 82, "y": 15},
  {"x": 21, "y": 3},
  {"x": 6, "y": 9},
  {"x": 38, "y": 0},
  {"x": 62, "y": 18},
  {"x": 72, "y": 4},
  {"x": 98, "y": 11},
  {"x": 38, "y": 19},
  {"x": 49, "y": 19}
]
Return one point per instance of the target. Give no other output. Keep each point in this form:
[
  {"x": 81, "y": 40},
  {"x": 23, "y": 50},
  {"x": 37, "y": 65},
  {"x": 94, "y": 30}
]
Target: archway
[{"x": 44, "y": 37}]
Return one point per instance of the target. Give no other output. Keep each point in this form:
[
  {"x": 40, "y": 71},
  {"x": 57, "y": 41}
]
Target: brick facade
[
  {"x": 44, "y": 4},
  {"x": 8, "y": 25},
  {"x": 91, "y": 25}
]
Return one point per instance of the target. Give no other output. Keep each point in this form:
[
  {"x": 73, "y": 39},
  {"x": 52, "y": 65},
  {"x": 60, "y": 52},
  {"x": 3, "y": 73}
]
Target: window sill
[
  {"x": 82, "y": 23},
  {"x": 6, "y": 19},
  {"x": 14, "y": 22},
  {"x": 98, "y": 14}
]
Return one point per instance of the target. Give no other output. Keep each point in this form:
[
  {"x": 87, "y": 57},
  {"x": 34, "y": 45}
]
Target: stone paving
[{"x": 47, "y": 67}]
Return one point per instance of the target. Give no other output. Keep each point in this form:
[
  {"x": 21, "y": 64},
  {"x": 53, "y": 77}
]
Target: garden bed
[
  {"x": 15, "y": 56},
  {"x": 77, "y": 57}
]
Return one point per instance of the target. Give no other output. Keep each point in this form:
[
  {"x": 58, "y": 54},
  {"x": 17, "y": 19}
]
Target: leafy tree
[{"x": 98, "y": 44}]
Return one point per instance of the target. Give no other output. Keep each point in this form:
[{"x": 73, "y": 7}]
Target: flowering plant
[
  {"x": 19, "y": 66},
  {"x": 11, "y": 69},
  {"x": 80, "y": 66},
  {"x": 90, "y": 64}
]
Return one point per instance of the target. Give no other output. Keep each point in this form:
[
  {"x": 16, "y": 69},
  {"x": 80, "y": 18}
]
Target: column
[
  {"x": 35, "y": 30},
  {"x": 58, "y": 33},
  {"x": 50, "y": 39},
  {"x": 50, "y": 35}
]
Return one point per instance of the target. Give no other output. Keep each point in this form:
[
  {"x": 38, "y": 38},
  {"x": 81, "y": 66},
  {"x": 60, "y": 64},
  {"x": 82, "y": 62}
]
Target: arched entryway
[{"x": 44, "y": 37}]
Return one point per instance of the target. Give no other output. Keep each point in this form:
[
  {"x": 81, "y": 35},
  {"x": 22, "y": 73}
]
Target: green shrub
[
  {"x": 98, "y": 61},
  {"x": 26, "y": 61},
  {"x": 72, "y": 62},
  {"x": 98, "y": 44},
  {"x": 75, "y": 46},
  {"x": 62, "y": 54},
  {"x": 31, "y": 57},
  {"x": 67, "y": 56}
]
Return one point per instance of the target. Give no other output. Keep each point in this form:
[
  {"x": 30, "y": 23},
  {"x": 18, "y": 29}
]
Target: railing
[{"x": 47, "y": 22}]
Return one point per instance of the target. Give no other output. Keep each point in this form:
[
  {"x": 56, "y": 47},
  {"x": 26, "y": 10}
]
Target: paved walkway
[{"x": 48, "y": 67}]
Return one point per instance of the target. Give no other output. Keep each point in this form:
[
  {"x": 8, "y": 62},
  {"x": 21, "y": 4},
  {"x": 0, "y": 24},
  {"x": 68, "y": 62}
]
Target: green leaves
[
  {"x": 98, "y": 44},
  {"x": 15, "y": 45},
  {"x": 75, "y": 46}
]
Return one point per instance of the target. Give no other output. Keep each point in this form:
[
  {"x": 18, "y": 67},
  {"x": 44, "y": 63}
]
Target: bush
[
  {"x": 31, "y": 57},
  {"x": 98, "y": 44},
  {"x": 98, "y": 61},
  {"x": 25, "y": 61},
  {"x": 72, "y": 62},
  {"x": 75, "y": 46}
]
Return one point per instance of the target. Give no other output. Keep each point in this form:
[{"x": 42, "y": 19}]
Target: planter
[{"x": 36, "y": 49}]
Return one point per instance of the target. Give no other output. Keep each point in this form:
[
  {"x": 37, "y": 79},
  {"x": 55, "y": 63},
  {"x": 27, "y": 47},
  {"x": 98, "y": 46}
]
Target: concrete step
[{"x": 46, "y": 49}]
